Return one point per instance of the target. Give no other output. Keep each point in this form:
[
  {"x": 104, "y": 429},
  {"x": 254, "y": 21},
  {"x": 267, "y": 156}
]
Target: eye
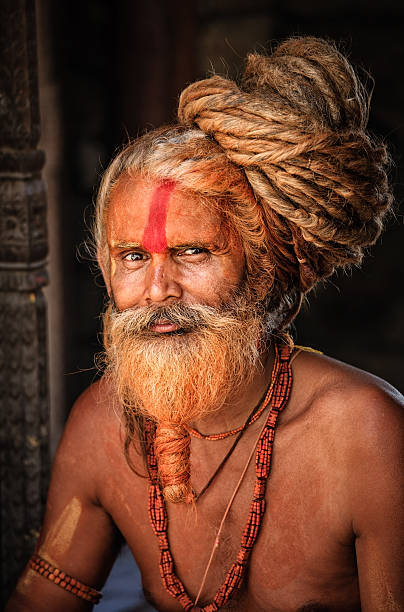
[
  {"x": 193, "y": 251},
  {"x": 193, "y": 255},
  {"x": 133, "y": 257}
]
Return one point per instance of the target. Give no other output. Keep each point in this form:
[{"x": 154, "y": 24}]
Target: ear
[{"x": 103, "y": 262}]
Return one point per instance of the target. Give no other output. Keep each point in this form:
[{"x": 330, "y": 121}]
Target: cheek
[
  {"x": 235, "y": 273},
  {"x": 232, "y": 273},
  {"x": 125, "y": 290},
  {"x": 212, "y": 285}
]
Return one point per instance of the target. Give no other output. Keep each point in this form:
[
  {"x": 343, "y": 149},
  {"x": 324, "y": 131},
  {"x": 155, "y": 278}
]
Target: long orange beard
[{"x": 180, "y": 377}]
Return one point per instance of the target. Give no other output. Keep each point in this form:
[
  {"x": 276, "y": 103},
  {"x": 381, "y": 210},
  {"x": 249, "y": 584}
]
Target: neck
[{"x": 238, "y": 407}]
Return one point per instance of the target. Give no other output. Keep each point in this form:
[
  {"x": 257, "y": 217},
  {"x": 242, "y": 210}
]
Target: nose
[{"x": 160, "y": 282}]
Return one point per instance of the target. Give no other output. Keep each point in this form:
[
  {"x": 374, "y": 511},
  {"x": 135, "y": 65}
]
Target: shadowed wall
[
  {"x": 108, "y": 71},
  {"x": 118, "y": 69}
]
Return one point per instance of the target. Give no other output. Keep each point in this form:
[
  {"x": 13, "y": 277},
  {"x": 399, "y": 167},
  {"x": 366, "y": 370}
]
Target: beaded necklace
[
  {"x": 254, "y": 416},
  {"x": 158, "y": 511}
]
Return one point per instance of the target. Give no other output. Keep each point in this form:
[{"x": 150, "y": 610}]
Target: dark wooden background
[
  {"x": 106, "y": 71},
  {"x": 119, "y": 67}
]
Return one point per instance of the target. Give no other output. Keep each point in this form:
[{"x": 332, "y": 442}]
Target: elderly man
[{"x": 244, "y": 473}]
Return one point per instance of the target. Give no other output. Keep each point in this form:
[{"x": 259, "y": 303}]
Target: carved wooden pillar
[{"x": 23, "y": 249}]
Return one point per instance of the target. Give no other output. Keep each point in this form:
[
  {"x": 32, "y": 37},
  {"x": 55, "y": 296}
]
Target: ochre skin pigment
[{"x": 61, "y": 534}]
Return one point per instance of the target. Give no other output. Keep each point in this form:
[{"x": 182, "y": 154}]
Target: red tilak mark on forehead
[{"x": 154, "y": 236}]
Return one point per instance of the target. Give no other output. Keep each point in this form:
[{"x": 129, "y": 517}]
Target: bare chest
[{"x": 303, "y": 556}]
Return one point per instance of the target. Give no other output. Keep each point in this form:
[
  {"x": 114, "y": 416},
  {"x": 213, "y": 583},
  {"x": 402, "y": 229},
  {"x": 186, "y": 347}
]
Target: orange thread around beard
[{"x": 172, "y": 449}]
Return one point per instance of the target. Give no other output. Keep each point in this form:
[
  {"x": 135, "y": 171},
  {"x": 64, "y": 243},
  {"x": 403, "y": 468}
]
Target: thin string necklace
[
  {"x": 221, "y": 526},
  {"x": 252, "y": 417},
  {"x": 158, "y": 511}
]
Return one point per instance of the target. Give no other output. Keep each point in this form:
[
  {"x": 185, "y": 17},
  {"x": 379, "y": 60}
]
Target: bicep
[
  {"x": 85, "y": 552},
  {"x": 380, "y": 552},
  {"x": 78, "y": 536},
  {"x": 381, "y": 570},
  {"x": 80, "y": 541},
  {"x": 377, "y": 483}
]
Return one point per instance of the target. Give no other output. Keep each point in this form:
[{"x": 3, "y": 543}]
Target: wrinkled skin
[{"x": 333, "y": 533}]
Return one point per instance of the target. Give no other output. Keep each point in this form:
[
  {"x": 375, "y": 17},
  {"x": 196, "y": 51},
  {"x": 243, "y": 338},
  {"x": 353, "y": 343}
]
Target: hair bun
[
  {"x": 296, "y": 126},
  {"x": 314, "y": 79}
]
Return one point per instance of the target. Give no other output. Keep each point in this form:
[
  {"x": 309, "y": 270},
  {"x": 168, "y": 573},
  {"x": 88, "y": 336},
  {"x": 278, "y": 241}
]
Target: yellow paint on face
[
  {"x": 112, "y": 264},
  {"x": 60, "y": 536}
]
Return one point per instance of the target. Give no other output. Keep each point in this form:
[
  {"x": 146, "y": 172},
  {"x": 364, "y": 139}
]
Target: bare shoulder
[
  {"x": 351, "y": 425},
  {"x": 348, "y": 398},
  {"x": 95, "y": 412},
  {"x": 93, "y": 425},
  {"x": 96, "y": 403}
]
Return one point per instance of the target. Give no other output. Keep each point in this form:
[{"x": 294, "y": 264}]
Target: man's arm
[
  {"x": 78, "y": 536},
  {"x": 376, "y": 487}
]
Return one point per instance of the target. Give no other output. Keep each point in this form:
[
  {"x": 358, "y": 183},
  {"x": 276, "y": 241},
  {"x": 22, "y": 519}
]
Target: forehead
[{"x": 184, "y": 215}]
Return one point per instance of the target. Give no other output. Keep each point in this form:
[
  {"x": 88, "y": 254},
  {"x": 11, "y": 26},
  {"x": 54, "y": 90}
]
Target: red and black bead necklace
[{"x": 279, "y": 394}]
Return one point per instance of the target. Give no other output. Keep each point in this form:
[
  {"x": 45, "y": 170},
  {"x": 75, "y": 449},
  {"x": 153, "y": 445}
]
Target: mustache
[{"x": 188, "y": 317}]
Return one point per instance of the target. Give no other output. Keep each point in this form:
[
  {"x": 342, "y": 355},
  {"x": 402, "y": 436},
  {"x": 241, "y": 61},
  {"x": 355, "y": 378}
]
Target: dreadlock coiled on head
[
  {"x": 296, "y": 126},
  {"x": 286, "y": 159}
]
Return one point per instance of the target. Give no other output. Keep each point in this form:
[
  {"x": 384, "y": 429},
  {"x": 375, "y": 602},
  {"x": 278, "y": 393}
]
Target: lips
[{"x": 164, "y": 326}]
